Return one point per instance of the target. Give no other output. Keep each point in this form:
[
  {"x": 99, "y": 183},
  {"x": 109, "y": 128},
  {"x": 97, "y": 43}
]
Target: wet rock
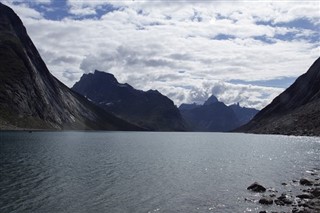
[
  {"x": 284, "y": 200},
  {"x": 272, "y": 195},
  {"x": 272, "y": 190},
  {"x": 305, "y": 196},
  {"x": 306, "y": 182},
  {"x": 315, "y": 192},
  {"x": 256, "y": 187},
  {"x": 266, "y": 200}
]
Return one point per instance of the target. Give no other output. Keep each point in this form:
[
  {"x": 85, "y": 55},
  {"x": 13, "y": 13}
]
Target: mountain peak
[
  {"x": 149, "y": 109},
  {"x": 105, "y": 76},
  {"x": 211, "y": 100}
]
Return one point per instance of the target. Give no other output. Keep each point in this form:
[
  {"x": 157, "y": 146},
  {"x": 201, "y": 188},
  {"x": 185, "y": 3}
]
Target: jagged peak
[
  {"x": 104, "y": 76},
  {"x": 211, "y": 100},
  {"x": 153, "y": 91}
]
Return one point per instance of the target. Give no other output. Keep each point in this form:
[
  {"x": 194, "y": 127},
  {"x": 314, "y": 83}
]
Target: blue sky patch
[{"x": 279, "y": 83}]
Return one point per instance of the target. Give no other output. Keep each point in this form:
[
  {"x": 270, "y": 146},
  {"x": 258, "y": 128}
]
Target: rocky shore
[{"x": 296, "y": 196}]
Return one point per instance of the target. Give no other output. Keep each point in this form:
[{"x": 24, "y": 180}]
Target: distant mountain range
[
  {"x": 150, "y": 109},
  {"x": 215, "y": 116},
  {"x": 296, "y": 111},
  {"x": 30, "y": 97}
]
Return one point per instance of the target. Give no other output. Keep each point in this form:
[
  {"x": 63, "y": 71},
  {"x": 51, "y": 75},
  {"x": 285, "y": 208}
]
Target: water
[{"x": 145, "y": 172}]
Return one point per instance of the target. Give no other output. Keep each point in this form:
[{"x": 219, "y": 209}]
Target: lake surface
[{"x": 145, "y": 172}]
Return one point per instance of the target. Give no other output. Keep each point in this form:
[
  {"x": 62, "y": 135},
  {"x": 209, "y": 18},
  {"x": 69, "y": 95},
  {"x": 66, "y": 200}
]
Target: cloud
[
  {"x": 85, "y": 8},
  {"x": 185, "y": 50},
  {"x": 23, "y": 10}
]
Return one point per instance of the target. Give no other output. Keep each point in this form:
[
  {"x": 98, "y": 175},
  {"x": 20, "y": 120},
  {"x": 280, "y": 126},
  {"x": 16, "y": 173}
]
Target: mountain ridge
[
  {"x": 149, "y": 109},
  {"x": 215, "y": 116},
  {"x": 296, "y": 111},
  {"x": 30, "y": 97}
]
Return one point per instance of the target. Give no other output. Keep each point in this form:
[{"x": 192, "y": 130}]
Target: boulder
[
  {"x": 256, "y": 187},
  {"x": 306, "y": 182},
  {"x": 284, "y": 200},
  {"x": 266, "y": 201},
  {"x": 305, "y": 196}
]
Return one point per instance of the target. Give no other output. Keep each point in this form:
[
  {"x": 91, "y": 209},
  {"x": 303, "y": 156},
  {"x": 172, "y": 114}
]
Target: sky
[{"x": 243, "y": 52}]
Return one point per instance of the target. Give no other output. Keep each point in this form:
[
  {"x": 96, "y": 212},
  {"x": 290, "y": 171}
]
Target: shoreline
[{"x": 303, "y": 196}]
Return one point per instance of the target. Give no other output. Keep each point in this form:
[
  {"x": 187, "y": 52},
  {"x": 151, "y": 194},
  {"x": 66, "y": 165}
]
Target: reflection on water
[{"x": 145, "y": 172}]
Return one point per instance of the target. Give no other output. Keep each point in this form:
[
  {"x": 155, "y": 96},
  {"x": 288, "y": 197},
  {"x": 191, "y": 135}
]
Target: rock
[
  {"x": 306, "y": 182},
  {"x": 272, "y": 190},
  {"x": 284, "y": 184},
  {"x": 256, "y": 187},
  {"x": 266, "y": 201},
  {"x": 315, "y": 192},
  {"x": 284, "y": 200},
  {"x": 305, "y": 196},
  {"x": 272, "y": 195},
  {"x": 263, "y": 212}
]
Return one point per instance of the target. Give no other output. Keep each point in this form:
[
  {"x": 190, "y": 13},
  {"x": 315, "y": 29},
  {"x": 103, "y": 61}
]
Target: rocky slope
[
  {"x": 150, "y": 109},
  {"x": 30, "y": 97},
  {"x": 296, "y": 111}
]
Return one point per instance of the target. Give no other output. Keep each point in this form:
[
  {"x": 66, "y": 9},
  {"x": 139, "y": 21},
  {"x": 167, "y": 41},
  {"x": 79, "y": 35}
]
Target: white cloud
[
  {"x": 84, "y": 8},
  {"x": 173, "y": 47}
]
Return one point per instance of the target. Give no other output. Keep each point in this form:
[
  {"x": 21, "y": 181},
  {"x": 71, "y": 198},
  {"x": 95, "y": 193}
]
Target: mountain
[
  {"x": 243, "y": 114},
  {"x": 211, "y": 100},
  {"x": 149, "y": 109},
  {"x": 188, "y": 106},
  {"x": 296, "y": 111},
  {"x": 30, "y": 97},
  {"x": 213, "y": 116}
]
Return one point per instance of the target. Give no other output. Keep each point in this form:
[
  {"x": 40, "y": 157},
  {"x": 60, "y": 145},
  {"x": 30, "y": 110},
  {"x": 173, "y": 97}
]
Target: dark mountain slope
[
  {"x": 30, "y": 97},
  {"x": 296, "y": 111},
  {"x": 243, "y": 114},
  {"x": 149, "y": 109},
  {"x": 213, "y": 116}
]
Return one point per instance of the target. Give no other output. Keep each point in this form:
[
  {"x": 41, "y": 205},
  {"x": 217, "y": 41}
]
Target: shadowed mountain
[
  {"x": 243, "y": 114},
  {"x": 215, "y": 116},
  {"x": 296, "y": 111},
  {"x": 149, "y": 109},
  {"x": 30, "y": 97},
  {"x": 188, "y": 106}
]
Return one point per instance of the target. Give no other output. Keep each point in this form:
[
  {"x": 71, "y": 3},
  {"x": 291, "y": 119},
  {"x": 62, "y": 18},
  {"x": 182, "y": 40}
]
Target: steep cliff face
[
  {"x": 149, "y": 109},
  {"x": 296, "y": 111},
  {"x": 30, "y": 97}
]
